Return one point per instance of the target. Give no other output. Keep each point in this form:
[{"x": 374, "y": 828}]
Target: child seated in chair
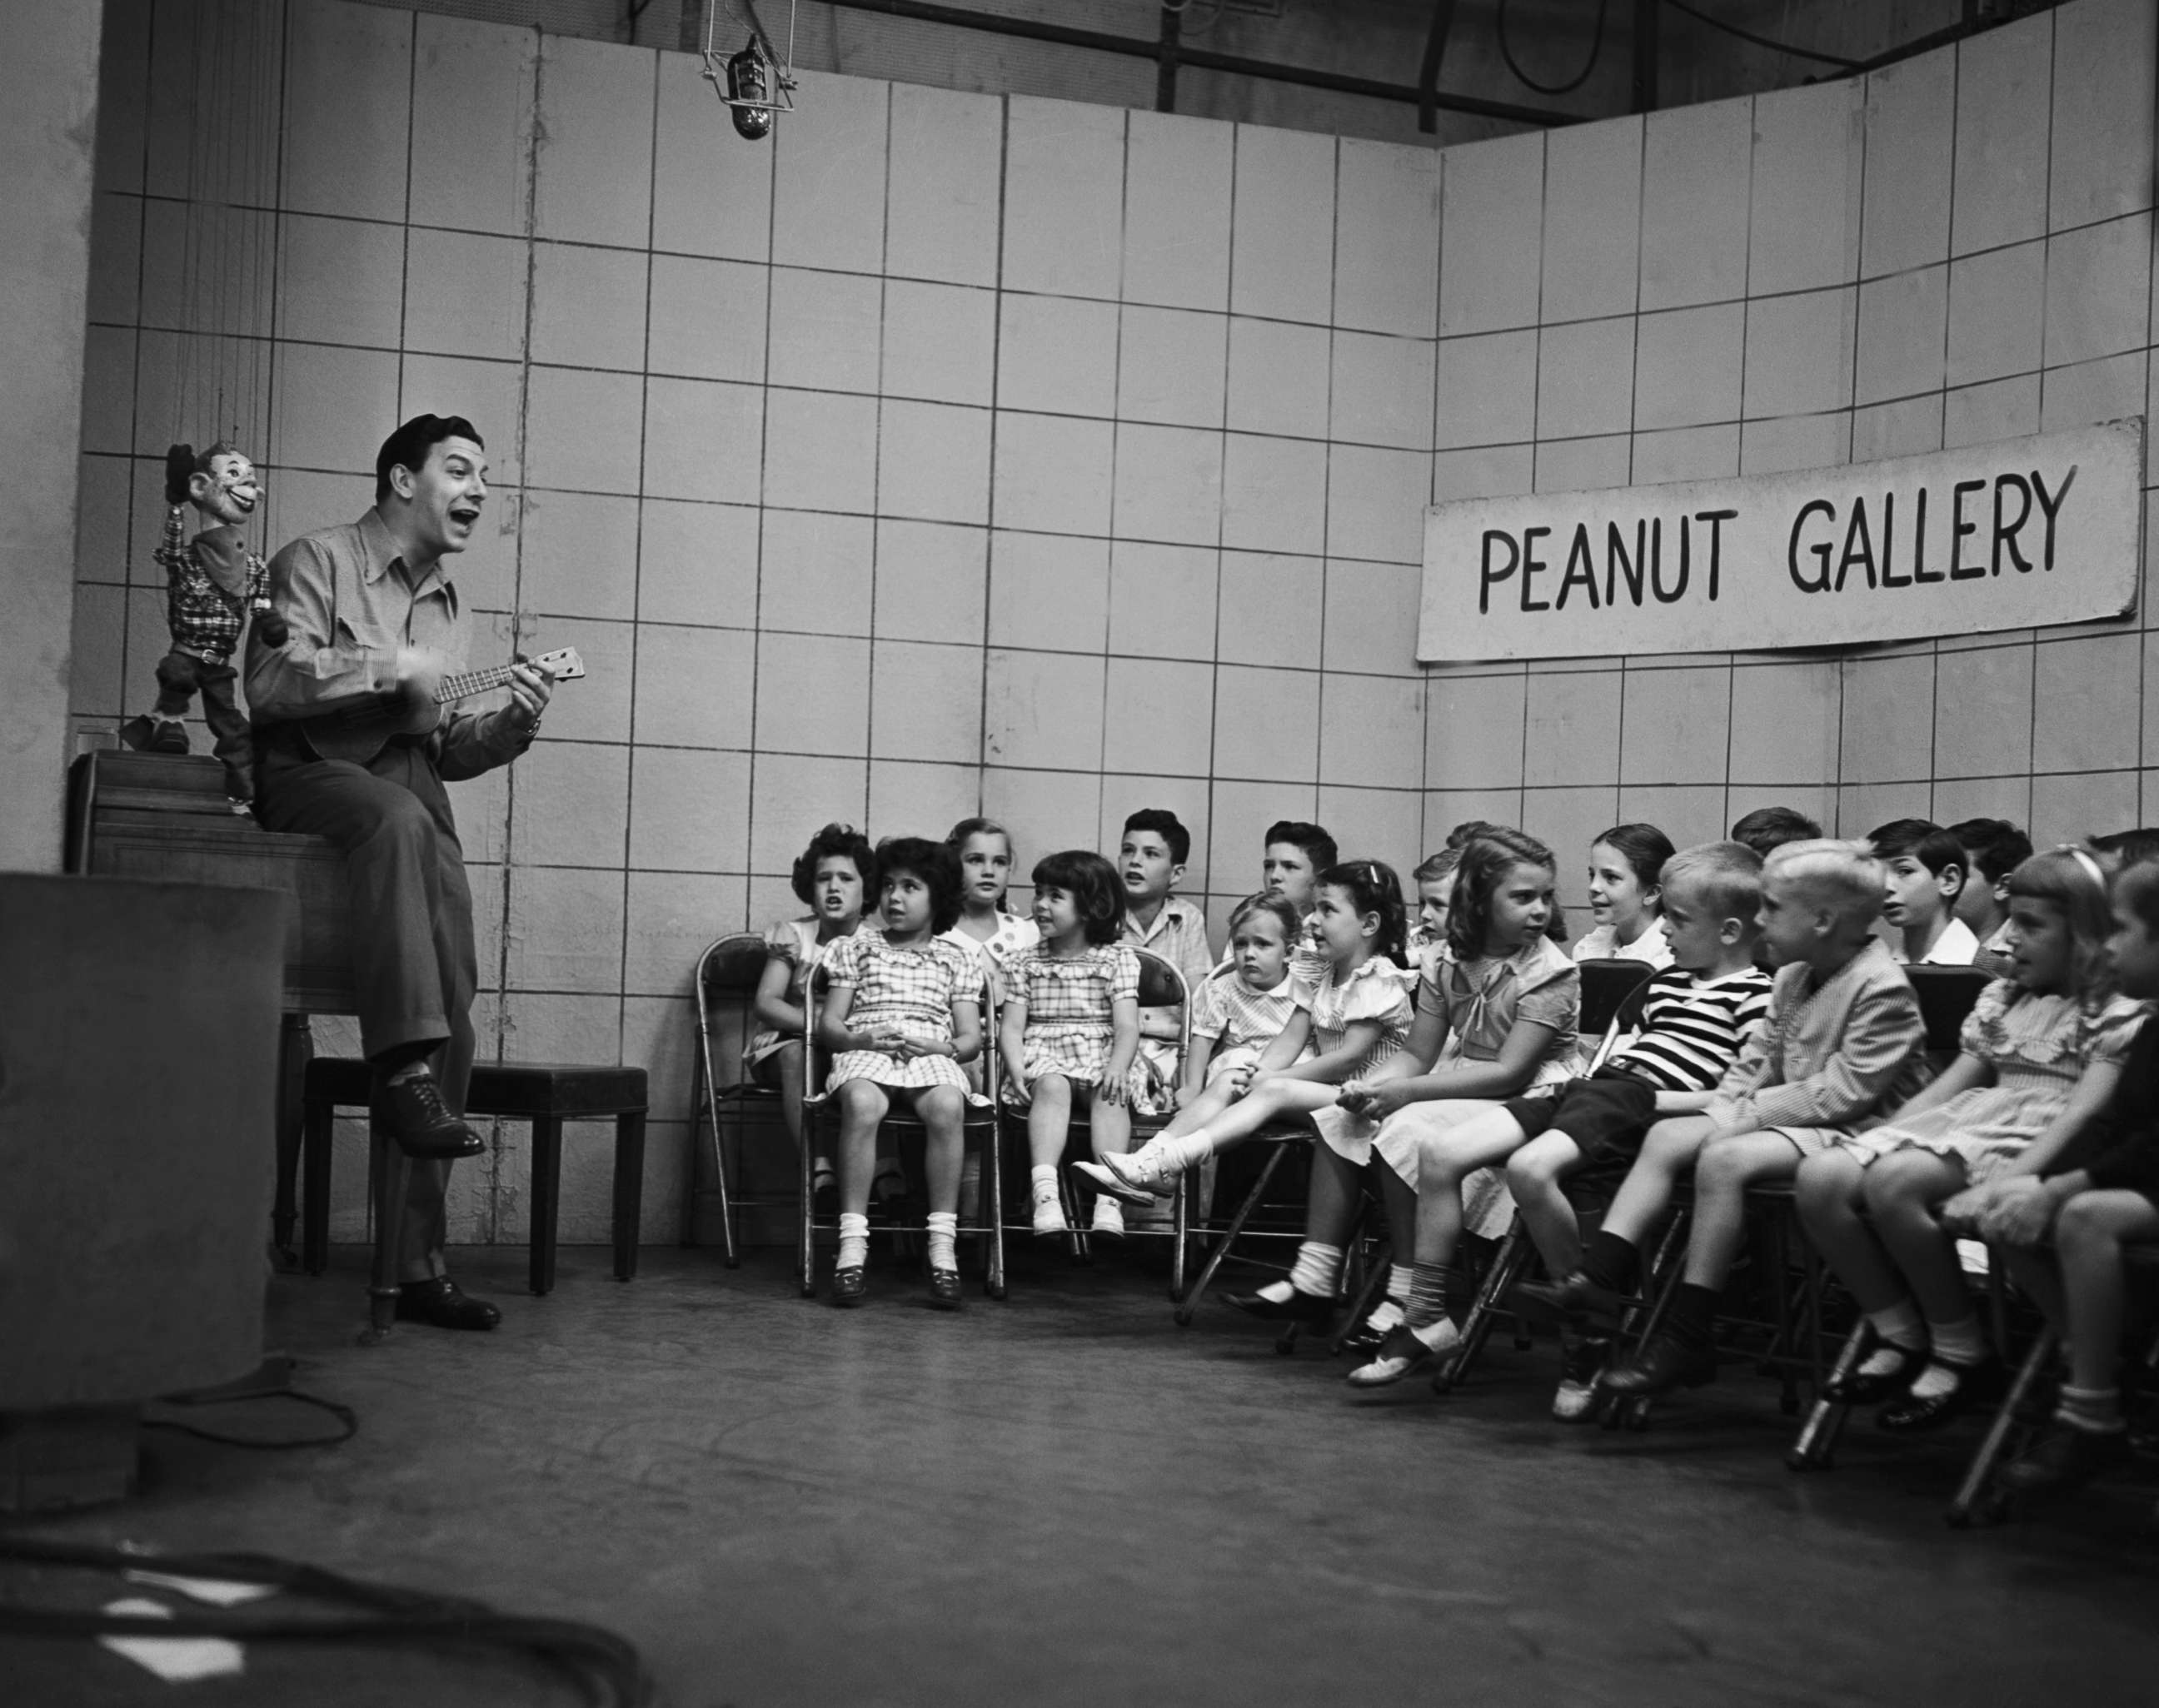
[
  {"x": 1350, "y": 1023},
  {"x": 1926, "y": 874},
  {"x": 832, "y": 879},
  {"x": 1993, "y": 848},
  {"x": 1694, "y": 1016},
  {"x": 1842, "y": 1040},
  {"x": 2040, "y": 1054},
  {"x": 1237, "y": 1014},
  {"x": 1151, "y": 861},
  {"x": 903, "y": 1012},
  {"x": 2099, "y": 1193},
  {"x": 1070, "y": 1028}
]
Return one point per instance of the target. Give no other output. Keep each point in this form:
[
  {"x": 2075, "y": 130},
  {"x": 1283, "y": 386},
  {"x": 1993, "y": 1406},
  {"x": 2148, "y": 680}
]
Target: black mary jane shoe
[
  {"x": 1862, "y": 1388},
  {"x": 1976, "y": 1384},
  {"x": 945, "y": 1289},
  {"x": 1367, "y": 1336},
  {"x": 1310, "y": 1310},
  {"x": 441, "y": 1303},
  {"x": 849, "y": 1285},
  {"x": 1664, "y": 1363}
]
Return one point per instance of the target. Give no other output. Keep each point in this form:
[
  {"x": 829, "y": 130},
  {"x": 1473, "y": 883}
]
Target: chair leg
[
  {"x": 547, "y": 1195},
  {"x": 1816, "y": 1445},
  {"x": 1190, "y": 1303},
  {"x": 295, "y": 1049},
  {"x": 390, "y": 1173},
  {"x": 1972, "y": 1493},
  {"x": 1374, "y": 1282},
  {"x": 993, "y": 1198},
  {"x": 805, "y": 1221},
  {"x": 318, "y": 1137},
  {"x": 730, "y": 1251},
  {"x": 1178, "y": 1204},
  {"x": 1508, "y": 1262},
  {"x": 628, "y": 1191}
]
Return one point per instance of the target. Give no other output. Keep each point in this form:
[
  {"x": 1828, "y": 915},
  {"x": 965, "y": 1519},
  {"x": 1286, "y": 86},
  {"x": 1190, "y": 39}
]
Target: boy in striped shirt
[{"x": 1695, "y": 1015}]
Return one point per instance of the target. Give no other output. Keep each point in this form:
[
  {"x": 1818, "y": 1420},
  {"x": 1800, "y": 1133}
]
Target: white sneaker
[
  {"x": 1113, "y": 1184},
  {"x": 1109, "y": 1223},
  {"x": 1049, "y": 1211},
  {"x": 1146, "y": 1170}
]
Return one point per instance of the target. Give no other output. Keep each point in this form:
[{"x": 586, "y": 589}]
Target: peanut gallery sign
[{"x": 2017, "y": 534}]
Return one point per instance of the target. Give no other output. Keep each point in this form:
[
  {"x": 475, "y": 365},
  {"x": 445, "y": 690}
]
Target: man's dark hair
[
  {"x": 2130, "y": 848},
  {"x": 1318, "y": 847},
  {"x": 1164, "y": 824},
  {"x": 1769, "y": 827},
  {"x": 1996, "y": 846},
  {"x": 408, "y": 447}
]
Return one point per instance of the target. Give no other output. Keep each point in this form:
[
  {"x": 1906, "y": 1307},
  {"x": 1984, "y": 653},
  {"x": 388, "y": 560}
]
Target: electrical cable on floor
[
  {"x": 1760, "y": 41},
  {"x": 345, "y": 1416},
  {"x": 1595, "y": 51},
  {"x": 607, "y": 1668}
]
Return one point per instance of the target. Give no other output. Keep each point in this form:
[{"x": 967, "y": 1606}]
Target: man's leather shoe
[
  {"x": 413, "y": 1109},
  {"x": 441, "y": 1303},
  {"x": 1664, "y": 1363}
]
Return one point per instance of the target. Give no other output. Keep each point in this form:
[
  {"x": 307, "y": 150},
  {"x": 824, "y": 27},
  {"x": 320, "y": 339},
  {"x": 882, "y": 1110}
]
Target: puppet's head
[{"x": 219, "y": 481}]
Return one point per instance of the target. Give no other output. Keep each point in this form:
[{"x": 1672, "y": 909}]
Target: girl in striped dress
[
  {"x": 1243, "y": 1008},
  {"x": 903, "y": 1010},
  {"x": 1071, "y": 1027}
]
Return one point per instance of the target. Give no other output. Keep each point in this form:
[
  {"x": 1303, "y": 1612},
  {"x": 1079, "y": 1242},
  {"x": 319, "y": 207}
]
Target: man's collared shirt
[{"x": 344, "y": 592}]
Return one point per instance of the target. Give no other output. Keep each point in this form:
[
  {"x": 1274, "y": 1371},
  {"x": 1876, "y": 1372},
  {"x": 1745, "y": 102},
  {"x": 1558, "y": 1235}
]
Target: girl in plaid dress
[
  {"x": 1071, "y": 1026},
  {"x": 903, "y": 1010}
]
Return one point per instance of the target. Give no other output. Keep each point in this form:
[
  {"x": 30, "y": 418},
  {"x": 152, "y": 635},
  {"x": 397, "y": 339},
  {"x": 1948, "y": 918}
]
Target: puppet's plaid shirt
[{"x": 205, "y": 619}]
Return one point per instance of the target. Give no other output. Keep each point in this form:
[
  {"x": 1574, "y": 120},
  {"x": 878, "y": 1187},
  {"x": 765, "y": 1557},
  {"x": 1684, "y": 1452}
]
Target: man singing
[{"x": 370, "y": 614}]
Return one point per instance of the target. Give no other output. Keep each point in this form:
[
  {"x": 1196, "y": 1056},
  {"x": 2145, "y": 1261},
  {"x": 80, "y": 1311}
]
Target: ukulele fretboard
[{"x": 470, "y": 682}]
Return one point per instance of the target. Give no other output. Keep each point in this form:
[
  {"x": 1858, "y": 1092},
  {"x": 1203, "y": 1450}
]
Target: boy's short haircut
[
  {"x": 2128, "y": 846},
  {"x": 1845, "y": 875},
  {"x": 1164, "y": 824},
  {"x": 1317, "y": 846},
  {"x": 1994, "y": 846},
  {"x": 1468, "y": 832},
  {"x": 1724, "y": 878},
  {"x": 1267, "y": 901},
  {"x": 1920, "y": 840},
  {"x": 1435, "y": 866},
  {"x": 1770, "y": 827}
]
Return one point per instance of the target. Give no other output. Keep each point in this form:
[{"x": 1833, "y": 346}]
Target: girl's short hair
[
  {"x": 1373, "y": 888},
  {"x": 1486, "y": 858},
  {"x": 1267, "y": 901},
  {"x": 1643, "y": 847},
  {"x": 1096, "y": 890},
  {"x": 2074, "y": 878},
  {"x": 1435, "y": 866},
  {"x": 938, "y": 867},
  {"x": 835, "y": 842},
  {"x": 956, "y": 840}
]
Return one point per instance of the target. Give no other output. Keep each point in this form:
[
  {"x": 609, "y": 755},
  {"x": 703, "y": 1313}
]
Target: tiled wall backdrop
[{"x": 949, "y": 452}]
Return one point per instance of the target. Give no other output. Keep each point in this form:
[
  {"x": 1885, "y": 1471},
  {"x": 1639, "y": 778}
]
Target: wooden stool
[{"x": 544, "y": 1093}]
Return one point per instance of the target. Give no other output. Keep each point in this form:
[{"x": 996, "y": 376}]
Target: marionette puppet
[{"x": 214, "y": 583}]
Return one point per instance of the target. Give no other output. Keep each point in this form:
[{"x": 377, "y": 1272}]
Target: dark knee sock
[
  {"x": 1690, "y": 1314},
  {"x": 1611, "y": 1261}
]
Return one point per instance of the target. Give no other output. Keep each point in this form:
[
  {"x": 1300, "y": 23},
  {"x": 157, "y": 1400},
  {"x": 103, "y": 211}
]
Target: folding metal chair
[
  {"x": 1161, "y": 985},
  {"x": 1612, "y": 992},
  {"x": 979, "y": 1128},
  {"x": 726, "y": 985}
]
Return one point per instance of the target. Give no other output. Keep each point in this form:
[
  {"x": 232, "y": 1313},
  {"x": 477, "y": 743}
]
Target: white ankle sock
[
  {"x": 1179, "y": 1154},
  {"x": 854, "y": 1240},
  {"x": 1316, "y": 1269},
  {"x": 1398, "y": 1281},
  {"x": 1042, "y": 1174},
  {"x": 1897, "y": 1330},
  {"x": 1959, "y": 1343},
  {"x": 2095, "y": 1409},
  {"x": 943, "y": 1231}
]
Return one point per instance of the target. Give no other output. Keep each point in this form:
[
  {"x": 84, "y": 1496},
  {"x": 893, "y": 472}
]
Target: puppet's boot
[{"x": 149, "y": 734}]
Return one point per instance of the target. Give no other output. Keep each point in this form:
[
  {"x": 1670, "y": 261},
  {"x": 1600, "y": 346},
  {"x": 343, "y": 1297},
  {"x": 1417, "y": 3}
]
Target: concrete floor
[{"x": 1066, "y": 1499}]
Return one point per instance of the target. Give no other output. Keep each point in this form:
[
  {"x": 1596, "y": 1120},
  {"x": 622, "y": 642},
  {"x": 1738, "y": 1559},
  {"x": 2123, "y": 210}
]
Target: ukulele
[{"x": 359, "y": 733}]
